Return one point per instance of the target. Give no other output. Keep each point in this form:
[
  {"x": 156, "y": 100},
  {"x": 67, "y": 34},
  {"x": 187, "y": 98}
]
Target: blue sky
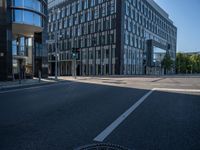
[{"x": 186, "y": 17}]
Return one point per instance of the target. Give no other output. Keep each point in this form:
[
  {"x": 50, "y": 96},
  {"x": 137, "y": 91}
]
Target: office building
[
  {"x": 114, "y": 37},
  {"x": 23, "y": 35}
]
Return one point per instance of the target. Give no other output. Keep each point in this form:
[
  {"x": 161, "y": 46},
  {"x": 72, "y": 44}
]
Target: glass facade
[
  {"x": 22, "y": 48},
  {"x": 143, "y": 22},
  {"x": 27, "y": 17},
  {"x": 32, "y": 16},
  {"x": 91, "y": 25},
  {"x": 23, "y": 35},
  {"x": 27, "y": 44},
  {"x": 158, "y": 55},
  {"x": 29, "y": 4}
]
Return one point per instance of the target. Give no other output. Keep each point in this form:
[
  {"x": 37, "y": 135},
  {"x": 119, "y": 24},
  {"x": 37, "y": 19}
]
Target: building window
[
  {"x": 27, "y": 17},
  {"x": 63, "y": 12},
  {"x": 31, "y": 4},
  {"x": 96, "y": 12},
  {"x": 85, "y": 2},
  {"x": 79, "y": 5},
  {"x": 82, "y": 17},
  {"x": 73, "y": 7},
  {"x": 104, "y": 9},
  {"x": 68, "y": 10},
  {"x": 92, "y": 3},
  {"x": 112, "y": 7}
]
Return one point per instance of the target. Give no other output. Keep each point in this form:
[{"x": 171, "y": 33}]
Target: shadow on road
[{"x": 71, "y": 114}]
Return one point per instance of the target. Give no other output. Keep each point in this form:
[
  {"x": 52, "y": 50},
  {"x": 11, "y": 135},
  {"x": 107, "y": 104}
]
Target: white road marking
[
  {"x": 178, "y": 90},
  {"x": 106, "y": 132},
  {"x": 120, "y": 119}
]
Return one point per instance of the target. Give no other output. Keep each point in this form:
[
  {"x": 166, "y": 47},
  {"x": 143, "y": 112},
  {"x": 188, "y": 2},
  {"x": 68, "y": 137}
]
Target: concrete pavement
[
  {"x": 7, "y": 85},
  {"x": 146, "y": 82}
]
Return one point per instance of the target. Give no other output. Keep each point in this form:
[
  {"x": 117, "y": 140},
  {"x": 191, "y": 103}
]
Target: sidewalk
[
  {"x": 129, "y": 76},
  {"x": 25, "y": 83}
]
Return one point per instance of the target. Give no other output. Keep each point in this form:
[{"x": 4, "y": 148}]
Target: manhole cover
[{"x": 101, "y": 146}]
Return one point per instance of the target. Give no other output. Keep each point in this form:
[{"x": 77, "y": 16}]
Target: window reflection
[
  {"x": 31, "y": 4},
  {"x": 22, "y": 48},
  {"x": 37, "y": 6},
  {"x": 17, "y": 15},
  {"x": 158, "y": 55},
  {"x": 28, "y": 4},
  {"x": 14, "y": 47},
  {"x": 18, "y": 2},
  {"x": 27, "y": 17}
]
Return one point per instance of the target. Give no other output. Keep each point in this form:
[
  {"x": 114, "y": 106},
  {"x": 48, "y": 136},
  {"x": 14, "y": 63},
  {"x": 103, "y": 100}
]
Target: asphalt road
[{"x": 71, "y": 114}]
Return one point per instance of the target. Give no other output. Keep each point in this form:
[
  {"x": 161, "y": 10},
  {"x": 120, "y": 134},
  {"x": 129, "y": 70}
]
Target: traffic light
[
  {"x": 73, "y": 50},
  {"x": 78, "y": 53},
  {"x": 75, "y": 53}
]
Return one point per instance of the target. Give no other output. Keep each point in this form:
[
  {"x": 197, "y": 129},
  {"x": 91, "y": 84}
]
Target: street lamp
[
  {"x": 56, "y": 51},
  {"x": 19, "y": 65},
  {"x": 94, "y": 45},
  {"x": 74, "y": 56},
  {"x": 57, "y": 59},
  {"x": 56, "y": 55}
]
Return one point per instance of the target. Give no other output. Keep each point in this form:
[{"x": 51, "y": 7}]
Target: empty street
[{"x": 140, "y": 113}]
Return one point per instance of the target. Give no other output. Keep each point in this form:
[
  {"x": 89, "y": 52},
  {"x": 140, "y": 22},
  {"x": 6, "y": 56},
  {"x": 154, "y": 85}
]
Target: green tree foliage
[
  {"x": 186, "y": 63},
  {"x": 167, "y": 62}
]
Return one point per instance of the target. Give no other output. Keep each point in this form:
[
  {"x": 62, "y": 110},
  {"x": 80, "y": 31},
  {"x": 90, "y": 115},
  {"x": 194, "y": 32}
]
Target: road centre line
[
  {"x": 120, "y": 119},
  {"x": 107, "y": 131}
]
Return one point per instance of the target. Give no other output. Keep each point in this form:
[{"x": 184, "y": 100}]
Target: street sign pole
[
  {"x": 74, "y": 57},
  {"x": 56, "y": 58},
  {"x": 75, "y": 68},
  {"x": 56, "y": 53}
]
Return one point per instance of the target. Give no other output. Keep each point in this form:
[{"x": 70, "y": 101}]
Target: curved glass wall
[
  {"x": 27, "y": 12},
  {"x": 20, "y": 15},
  {"x": 29, "y": 4},
  {"x": 27, "y": 17}
]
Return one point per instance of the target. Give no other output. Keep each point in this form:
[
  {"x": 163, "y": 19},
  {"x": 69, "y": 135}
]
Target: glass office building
[
  {"x": 114, "y": 36},
  {"x": 23, "y": 48}
]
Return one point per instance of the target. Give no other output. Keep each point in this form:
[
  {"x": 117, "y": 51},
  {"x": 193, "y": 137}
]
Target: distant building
[
  {"x": 115, "y": 37},
  {"x": 191, "y": 53},
  {"x": 22, "y": 38}
]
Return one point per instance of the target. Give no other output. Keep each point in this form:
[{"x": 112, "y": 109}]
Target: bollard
[{"x": 39, "y": 75}]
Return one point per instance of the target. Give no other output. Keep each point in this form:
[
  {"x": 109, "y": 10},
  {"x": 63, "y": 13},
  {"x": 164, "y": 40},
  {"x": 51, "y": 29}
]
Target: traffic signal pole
[
  {"x": 56, "y": 56},
  {"x": 74, "y": 62},
  {"x": 75, "y": 68}
]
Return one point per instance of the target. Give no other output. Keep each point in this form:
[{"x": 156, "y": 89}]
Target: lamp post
[
  {"x": 94, "y": 55},
  {"x": 75, "y": 56},
  {"x": 18, "y": 62},
  {"x": 56, "y": 51},
  {"x": 57, "y": 69},
  {"x": 56, "y": 57}
]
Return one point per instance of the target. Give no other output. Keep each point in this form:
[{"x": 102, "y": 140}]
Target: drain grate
[{"x": 101, "y": 146}]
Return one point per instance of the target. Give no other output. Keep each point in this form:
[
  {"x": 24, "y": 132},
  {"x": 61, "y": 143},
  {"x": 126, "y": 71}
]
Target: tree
[
  {"x": 187, "y": 63},
  {"x": 195, "y": 63},
  {"x": 167, "y": 63}
]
